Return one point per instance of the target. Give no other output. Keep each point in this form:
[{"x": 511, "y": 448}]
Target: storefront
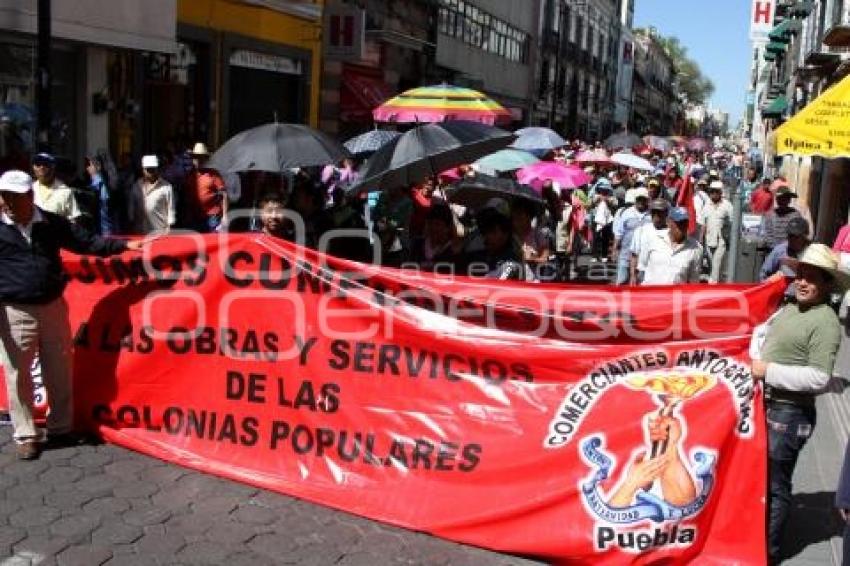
[
  {"x": 250, "y": 64},
  {"x": 85, "y": 36},
  {"x": 265, "y": 83}
]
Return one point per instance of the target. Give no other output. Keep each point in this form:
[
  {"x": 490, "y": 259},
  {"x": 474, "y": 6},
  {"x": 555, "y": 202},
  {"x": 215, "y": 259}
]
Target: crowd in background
[{"x": 640, "y": 221}]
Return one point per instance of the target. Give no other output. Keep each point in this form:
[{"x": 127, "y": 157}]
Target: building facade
[
  {"x": 372, "y": 51},
  {"x": 579, "y": 87},
  {"x": 807, "y": 51},
  {"x": 656, "y": 101},
  {"x": 86, "y": 37},
  {"x": 489, "y": 45}
]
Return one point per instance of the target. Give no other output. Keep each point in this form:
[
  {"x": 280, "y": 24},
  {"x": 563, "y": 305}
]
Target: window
[{"x": 474, "y": 26}]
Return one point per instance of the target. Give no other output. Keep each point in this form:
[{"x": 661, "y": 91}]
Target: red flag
[{"x": 685, "y": 199}]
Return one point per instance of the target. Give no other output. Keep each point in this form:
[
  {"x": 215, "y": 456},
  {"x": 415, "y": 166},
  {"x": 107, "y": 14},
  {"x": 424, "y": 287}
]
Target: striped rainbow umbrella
[{"x": 441, "y": 103}]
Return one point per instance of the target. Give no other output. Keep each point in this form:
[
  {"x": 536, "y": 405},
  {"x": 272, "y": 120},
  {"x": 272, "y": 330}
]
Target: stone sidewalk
[
  {"x": 93, "y": 505},
  {"x": 813, "y": 534}
]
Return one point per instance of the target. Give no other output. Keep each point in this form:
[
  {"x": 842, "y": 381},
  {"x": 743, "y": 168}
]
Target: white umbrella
[{"x": 633, "y": 161}]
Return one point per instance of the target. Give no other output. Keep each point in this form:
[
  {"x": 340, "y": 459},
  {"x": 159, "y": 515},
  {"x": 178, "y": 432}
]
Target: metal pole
[
  {"x": 561, "y": 13},
  {"x": 737, "y": 196},
  {"x": 42, "y": 77}
]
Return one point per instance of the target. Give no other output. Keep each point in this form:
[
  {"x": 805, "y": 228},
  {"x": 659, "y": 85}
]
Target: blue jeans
[
  {"x": 623, "y": 270},
  {"x": 788, "y": 428}
]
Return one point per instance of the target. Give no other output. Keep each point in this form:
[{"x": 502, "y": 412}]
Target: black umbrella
[
  {"x": 623, "y": 140},
  {"x": 276, "y": 148},
  {"x": 370, "y": 142},
  {"x": 427, "y": 151},
  {"x": 474, "y": 192}
]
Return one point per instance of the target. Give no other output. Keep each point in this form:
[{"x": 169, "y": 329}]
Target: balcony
[
  {"x": 838, "y": 35},
  {"x": 550, "y": 40}
]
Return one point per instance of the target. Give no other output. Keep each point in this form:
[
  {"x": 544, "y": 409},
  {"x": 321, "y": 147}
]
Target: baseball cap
[
  {"x": 785, "y": 190},
  {"x": 150, "y": 162},
  {"x": 637, "y": 193},
  {"x": 44, "y": 158},
  {"x": 702, "y": 182},
  {"x": 15, "y": 182},
  {"x": 679, "y": 214},
  {"x": 659, "y": 204},
  {"x": 798, "y": 226},
  {"x": 716, "y": 186}
]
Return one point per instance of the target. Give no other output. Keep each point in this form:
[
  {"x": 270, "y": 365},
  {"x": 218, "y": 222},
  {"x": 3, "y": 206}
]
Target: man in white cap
[
  {"x": 796, "y": 361},
  {"x": 716, "y": 223},
  {"x": 33, "y": 314},
  {"x": 51, "y": 194},
  {"x": 151, "y": 207},
  {"x": 206, "y": 195}
]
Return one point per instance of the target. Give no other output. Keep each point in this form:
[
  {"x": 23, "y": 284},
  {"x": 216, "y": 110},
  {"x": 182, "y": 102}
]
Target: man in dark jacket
[{"x": 33, "y": 313}]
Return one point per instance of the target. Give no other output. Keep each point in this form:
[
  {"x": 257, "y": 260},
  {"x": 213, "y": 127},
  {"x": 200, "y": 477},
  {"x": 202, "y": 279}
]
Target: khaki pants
[{"x": 25, "y": 330}]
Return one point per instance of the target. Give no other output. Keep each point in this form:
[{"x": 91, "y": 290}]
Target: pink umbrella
[
  {"x": 592, "y": 157},
  {"x": 697, "y": 144},
  {"x": 569, "y": 176}
]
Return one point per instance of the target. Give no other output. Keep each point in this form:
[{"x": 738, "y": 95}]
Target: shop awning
[
  {"x": 782, "y": 32},
  {"x": 821, "y": 128},
  {"x": 776, "y": 108},
  {"x": 362, "y": 91},
  {"x": 770, "y": 57},
  {"x": 775, "y": 47}
]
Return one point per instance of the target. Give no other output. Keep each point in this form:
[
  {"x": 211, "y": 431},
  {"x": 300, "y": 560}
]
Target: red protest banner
[{"x": 265, "y": 363}]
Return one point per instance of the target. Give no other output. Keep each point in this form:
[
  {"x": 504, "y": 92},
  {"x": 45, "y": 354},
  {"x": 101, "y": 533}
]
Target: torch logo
[{"x": 660, "y": 486}]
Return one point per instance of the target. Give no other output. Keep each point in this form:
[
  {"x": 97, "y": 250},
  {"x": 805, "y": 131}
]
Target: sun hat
[
  {"x": 715, "y": 186},
  {"x": 15, "y": 182},
  {"x": 150, "y": 162},
  {"x": 822, "y": 257},
  {"x": 200, "y": 149}
]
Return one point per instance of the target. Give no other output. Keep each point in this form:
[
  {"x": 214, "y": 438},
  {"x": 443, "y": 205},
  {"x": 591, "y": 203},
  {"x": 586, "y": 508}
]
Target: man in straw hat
[
  {"x": 796, "y": 361},
  {"x": 206, "y": 195}
]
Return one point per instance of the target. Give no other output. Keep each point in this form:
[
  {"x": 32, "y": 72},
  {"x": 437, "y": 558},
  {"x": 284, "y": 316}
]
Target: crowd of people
[
  {"x": 639, "y": 220},
  {"x": 667, "y": 224}
]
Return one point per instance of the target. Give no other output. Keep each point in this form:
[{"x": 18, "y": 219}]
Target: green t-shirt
[{"x": 804, "y": 337}]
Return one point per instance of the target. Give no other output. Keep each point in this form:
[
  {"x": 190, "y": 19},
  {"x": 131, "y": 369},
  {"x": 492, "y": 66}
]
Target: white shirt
[
  {"x": 643, "y": 236},
  {"x": 717, "y": 218},
  {"x": 627, "y": 222},
  {"x": 664, "y": 264},
  {"x": 56, "y": 198},
  {"x": 152, "y": 206},
  {"x": 25, "y": 229}
]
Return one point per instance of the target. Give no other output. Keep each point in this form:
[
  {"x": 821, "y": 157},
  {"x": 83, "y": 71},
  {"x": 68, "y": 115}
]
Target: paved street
[{"x": 106, "y": 505}]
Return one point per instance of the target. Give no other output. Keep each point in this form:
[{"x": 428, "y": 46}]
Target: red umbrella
[{"x": 568, "y": 176}]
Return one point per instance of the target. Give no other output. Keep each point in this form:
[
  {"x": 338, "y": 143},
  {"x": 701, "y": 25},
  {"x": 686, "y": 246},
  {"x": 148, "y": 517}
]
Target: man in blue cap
[
  {"x": 51, "y": 194},
  {"x": 672, "y": 257}
]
